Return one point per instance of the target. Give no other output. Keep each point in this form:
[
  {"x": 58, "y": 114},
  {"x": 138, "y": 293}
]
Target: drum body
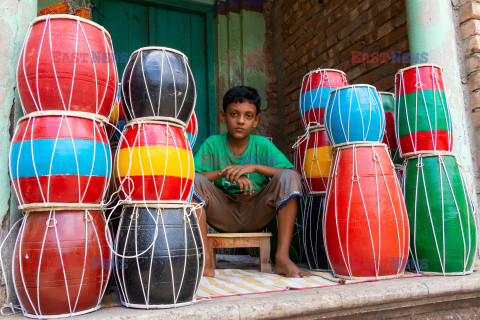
[
  {"x": 354, "y": 114},
  {"x": 443, "y": 234},
  {"x": 365, "y": 222},
  {"x": 388, "y": 102},
  {"x": 312, "y": 221},
  {"x": 316, "y": 86},
  {"x": 117, "y": 120},
  {"x": 154, "y": 162},
  {"x": 423, "y": 119},
  {"x": 158, "y": 82},
  {"x": 62, "y": 262},
  {"x": 60, "y": 159},
  {"x": 192, "y": 130},
  {"x": 317, "y": 160},
  {"x": 67, "y": 63},
  {"x": 163, "y": 257}
]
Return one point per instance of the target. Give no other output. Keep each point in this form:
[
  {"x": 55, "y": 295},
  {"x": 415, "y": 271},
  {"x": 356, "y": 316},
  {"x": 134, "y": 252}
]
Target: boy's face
[{"x": 240, "y": 118}]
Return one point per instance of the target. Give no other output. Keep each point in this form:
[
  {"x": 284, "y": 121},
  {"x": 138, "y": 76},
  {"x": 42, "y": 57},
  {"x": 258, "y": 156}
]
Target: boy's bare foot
[
  {"x": 285, "y": 266},
  {"x": 209, "y": 270}
]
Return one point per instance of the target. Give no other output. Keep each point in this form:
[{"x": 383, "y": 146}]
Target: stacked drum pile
[
  {"x": 159, "y": 249},
  {"x": 60, "y": 166},
  {"x": 313, "y": 156},
  {"x": 442, "y": 225},
  {"x": 365, "y": 222}
]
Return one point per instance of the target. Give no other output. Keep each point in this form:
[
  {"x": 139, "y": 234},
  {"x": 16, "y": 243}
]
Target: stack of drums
[
  {"x": 365, "y": 224},
  {"x": 388, "y": 102},
  {"x": 443, "y": 233},
  {"x": 313, "y": 156},
  {"x": 60, "y": 165},
  {"x": 159, "y": 250}
]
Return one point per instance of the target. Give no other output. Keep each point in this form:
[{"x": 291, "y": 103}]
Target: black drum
[
  {"x": 312, "y": 215},
  {"x": 160, "y": 260},
  {"x": 158, "y": 82}
]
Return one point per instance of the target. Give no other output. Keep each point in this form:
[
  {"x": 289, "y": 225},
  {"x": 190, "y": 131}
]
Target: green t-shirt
[{"x": 214, "y": 155}]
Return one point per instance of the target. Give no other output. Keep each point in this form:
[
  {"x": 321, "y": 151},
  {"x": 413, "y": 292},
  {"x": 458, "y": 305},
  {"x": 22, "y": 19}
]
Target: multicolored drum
[
  {"x": 316, "y": 161},
  {"x": 67, "y": 63},
  {"x": 154, "y": 162},
  {"x": 365, "y": 221},
  {"x": 354, "y": 114},
  {"x": 316, "y": 86},
  {"x": 442, "y": 234},
  {"x": 61, "y": 159},
  {"x": 158, "y": 82},
  {"x": 160, "y": 256},
  {"x": 312, "y": 219},
  {"x": 388, "y": 102},
  {"x": 423, "y": 122},
  {"x": 61, "y": 262},
  {"x": 117, "y": 120},
  {"x": 192, "y": 130}
]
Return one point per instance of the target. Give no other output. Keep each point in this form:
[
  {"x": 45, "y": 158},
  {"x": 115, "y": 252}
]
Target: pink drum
[{"x": 67, "y": 63}]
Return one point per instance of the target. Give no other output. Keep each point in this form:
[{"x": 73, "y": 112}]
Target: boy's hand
[
  {"x": 234, "y": 172},
  {"x": 245, "y": 184}
]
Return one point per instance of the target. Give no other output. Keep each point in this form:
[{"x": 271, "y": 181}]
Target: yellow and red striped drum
[
  {"x": 317, "y": 160},
  {"x": 154, "y": 162}
]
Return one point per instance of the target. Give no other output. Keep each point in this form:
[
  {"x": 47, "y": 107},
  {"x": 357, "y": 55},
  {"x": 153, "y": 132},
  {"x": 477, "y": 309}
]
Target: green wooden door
[{"x": 180, "y": 25}]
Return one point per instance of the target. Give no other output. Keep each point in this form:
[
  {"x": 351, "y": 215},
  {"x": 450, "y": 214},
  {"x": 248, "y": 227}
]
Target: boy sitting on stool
[{"x": 245, "y": 181}]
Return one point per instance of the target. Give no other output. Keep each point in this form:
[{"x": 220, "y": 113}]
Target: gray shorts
[{"x": 247, "y": 213}]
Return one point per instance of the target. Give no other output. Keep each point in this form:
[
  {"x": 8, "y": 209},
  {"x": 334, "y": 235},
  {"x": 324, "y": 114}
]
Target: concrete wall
[
  {"x": 15, "y": 16},
  {"x": 357, "y": 37}
]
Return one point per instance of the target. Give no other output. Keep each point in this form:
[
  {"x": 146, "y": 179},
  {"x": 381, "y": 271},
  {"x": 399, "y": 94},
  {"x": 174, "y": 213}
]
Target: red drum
[
  {"x": 62, "y": 262},
  {"x": 316, "y": 161},
  {"x": 365, "y": 224},
  {"x": 388, "y": 102},
  {"x": 154, "y": 162},
  {"x": 59, "y": 159},
  {"x": 67, "y": 63}
]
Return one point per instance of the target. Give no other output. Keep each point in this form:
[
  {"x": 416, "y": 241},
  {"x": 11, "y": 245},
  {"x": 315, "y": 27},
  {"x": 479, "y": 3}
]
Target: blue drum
[{"x": 354, "y": 114}]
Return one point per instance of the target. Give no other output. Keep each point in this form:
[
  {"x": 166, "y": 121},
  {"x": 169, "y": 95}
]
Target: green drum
[
  {"x": 422, "y": 119},
  {"x": 442, "y": 225}
]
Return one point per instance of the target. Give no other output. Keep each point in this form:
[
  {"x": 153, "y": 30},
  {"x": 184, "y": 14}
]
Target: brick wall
[
  {"x": 469, "y": 23},
  {"x": 324, "y": 35},
  {"x": 470, "y": 32}
]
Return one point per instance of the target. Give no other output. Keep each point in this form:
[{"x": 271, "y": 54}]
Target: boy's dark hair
[{"x": 242, "y": 94}]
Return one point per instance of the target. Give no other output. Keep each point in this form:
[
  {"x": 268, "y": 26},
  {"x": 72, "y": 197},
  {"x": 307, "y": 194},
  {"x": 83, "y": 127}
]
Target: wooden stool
[{"x": 243, "y": 240}]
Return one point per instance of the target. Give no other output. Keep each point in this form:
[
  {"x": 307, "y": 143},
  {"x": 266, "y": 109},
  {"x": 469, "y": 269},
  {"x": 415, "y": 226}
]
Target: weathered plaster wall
[
  {"x": 15, "y": 16},
  {"x": 241, "y": 56}
]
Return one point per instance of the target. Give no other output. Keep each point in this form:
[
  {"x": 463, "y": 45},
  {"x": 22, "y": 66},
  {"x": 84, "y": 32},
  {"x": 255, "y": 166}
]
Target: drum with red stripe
[
  {"x": 365, "y": 221},
  {"x": 67, "y": 63},
  {"x": 316, "y": 86},
  {"x": 154, "y": 162},
  {"x": 117, "y": 120},
  {"x": 192, "y": 130},
  {"x": 423, "y": 120},
  {"x": 61, "y": 159},
  {"x": 61, "y": 262},
  {"x": 316, "y": 161},
  {"x": 388, "y": 102}
]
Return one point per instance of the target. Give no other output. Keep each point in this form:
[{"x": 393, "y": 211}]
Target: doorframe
[{"x": 206, "y": 11}]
